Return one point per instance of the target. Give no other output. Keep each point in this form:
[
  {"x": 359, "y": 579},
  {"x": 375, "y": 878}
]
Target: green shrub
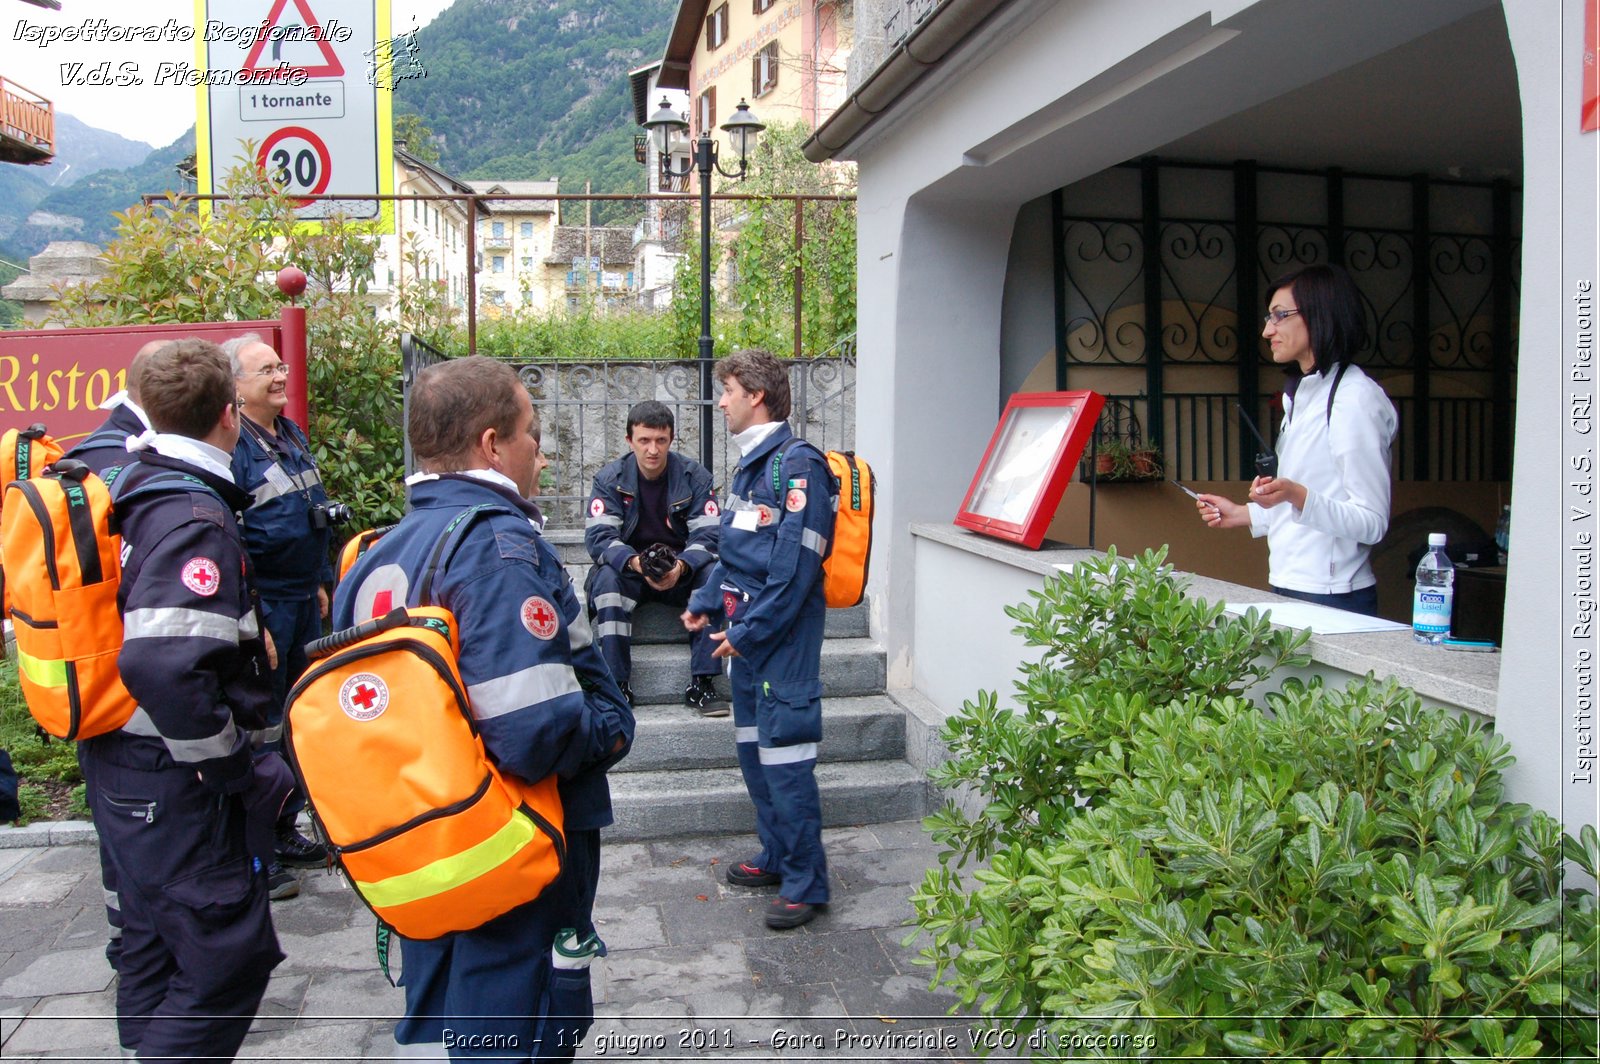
[{"x": 1178, "y": 873}]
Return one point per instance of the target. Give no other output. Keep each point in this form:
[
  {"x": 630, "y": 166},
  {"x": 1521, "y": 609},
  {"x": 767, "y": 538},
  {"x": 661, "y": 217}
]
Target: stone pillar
[{"x": 62, "y": 263}]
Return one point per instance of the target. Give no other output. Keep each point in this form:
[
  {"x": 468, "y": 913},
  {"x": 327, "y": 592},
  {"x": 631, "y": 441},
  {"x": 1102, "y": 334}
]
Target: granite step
[
  {"x": 675, "y": 737},
  {"x": 849, "y": 667},
  {"x": 709, "y": 802}
]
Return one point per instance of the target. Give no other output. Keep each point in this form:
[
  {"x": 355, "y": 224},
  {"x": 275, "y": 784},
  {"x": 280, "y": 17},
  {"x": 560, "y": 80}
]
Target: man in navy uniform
[
  {"x": 651, "y": 495},
  {"x": 103, "y": 448},
  {"x": 542, "y": 696},
  {"x": 286, "y": 531},
  {"x": 777, "y": 522},
  {"x": 182, "y": 804}
]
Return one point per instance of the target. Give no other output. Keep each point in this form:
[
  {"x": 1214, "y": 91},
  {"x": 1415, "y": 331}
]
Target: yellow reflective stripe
[
  {"x": 41, "y": 671},
  {"x": 447, "y": 873}
]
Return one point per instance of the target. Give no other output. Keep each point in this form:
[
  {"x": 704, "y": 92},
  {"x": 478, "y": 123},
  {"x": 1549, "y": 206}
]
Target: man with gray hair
[{"x": 287, "y": 532}]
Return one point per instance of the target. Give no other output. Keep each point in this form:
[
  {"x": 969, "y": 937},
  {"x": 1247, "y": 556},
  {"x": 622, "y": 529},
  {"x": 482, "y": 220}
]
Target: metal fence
[
  {"x": 583, "y": 409},
  {"x": 1203, "y": 435}
]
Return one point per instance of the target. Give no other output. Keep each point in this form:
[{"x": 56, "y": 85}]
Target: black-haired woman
[{"x": 1329, "y": 503}]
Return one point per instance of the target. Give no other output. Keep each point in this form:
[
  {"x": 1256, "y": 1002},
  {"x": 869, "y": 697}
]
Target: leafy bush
[{"x": 1177, "y": 873}]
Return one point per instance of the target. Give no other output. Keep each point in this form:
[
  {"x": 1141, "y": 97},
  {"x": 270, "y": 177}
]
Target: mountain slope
[
  {"x": 537, "y": 88},
  {"x": 83, "y": 211},
  {"x": 81, "y": 150}
]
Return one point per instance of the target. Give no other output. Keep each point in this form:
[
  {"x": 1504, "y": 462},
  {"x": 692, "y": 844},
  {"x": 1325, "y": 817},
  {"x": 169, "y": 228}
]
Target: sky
[{"x": 155, "y": 114}]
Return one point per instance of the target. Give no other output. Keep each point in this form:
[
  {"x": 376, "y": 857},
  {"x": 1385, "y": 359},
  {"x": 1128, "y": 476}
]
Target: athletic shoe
[
  {"x": 701, "y": 695},
  {"x": 748, "y": 875},
  {"x": 295, "y": 850},
  {"x": 784, "y": 914},
  {"x": 281, "y": 883}
]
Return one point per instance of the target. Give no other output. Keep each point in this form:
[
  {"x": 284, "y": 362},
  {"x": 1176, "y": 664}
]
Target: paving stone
[
  {"x": 11, "y": 860},
  {"x": 27, "y": 887},
  {"x": 647, "y": 976},
  {"x": 33, "y": 836},
  {"x": 79, "y": 971},
  {"x": 861, "y": 909},
  {"x": 879, "y": 867},
  {"x": 725, "y": 917},
  {"x": 81, "y": 1024},
  {"x": 314, "y": 914},
  {"x": 12, "y": 1013},
  {"x": 652, "y": 884},
  {"x": 351, "y": 949},
  {"x": 902, "y": 835},
  {"x": 854, "y": 839},
  {"x": 331, "y": 1042},
  {"x": 22, "y": 929},
  {"x": 85, "y": 860},
  {"x": 904, "y": 999},
  {"x": 785, "y": 958},
  {"x": 624, "y": 927},
  {"x": 342, "y": 997},
  {"x": 282, "y": 1003},
  {"x": 623, "y": 857}
]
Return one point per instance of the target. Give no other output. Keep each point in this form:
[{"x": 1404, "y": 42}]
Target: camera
[
  {"x": 657, "y": 561},
  {"x": 327, "y": 515}
]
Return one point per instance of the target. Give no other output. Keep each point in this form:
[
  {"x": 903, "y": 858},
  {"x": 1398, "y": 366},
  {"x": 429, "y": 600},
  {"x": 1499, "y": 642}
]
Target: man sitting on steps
[{"x": 649, "y": 499}]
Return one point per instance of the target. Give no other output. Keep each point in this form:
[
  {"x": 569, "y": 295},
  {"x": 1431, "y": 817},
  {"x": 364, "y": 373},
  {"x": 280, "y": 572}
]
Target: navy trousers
[
  {"x": 197, "y": 938},
  {"x": 612, "y": 598}
]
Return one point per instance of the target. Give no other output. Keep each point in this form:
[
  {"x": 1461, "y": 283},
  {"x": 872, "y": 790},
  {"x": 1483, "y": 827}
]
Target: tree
[{"x": 415, "y": 137}]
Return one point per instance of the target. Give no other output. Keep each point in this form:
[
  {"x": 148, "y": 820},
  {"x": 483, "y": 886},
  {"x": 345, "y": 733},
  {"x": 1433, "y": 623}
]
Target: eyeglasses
[
  {"x": 280, "y": 370},
  {"x": 1275, "y": 317}
]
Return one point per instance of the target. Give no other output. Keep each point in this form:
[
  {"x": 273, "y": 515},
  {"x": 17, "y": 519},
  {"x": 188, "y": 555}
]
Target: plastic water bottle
[{"x": 1435, "y": 593}]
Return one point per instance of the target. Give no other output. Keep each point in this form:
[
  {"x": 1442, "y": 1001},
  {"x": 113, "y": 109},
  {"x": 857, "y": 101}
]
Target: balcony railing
[{"x": 27, "y": 125}]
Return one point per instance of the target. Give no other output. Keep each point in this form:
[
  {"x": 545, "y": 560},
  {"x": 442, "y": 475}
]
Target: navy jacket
[
  {"x": 614, "y": 511},
  {"x": 290, "y": 557},
  {"x": 773, "y": 540},
  {"x": 192, "y": 652},
  {"x": 544, "y": 699},
  {"x": 107, "y": 445}
]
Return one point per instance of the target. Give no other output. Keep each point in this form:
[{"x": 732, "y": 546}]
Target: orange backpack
[
  {"x": 844, "y": 570},
  {"x": 381, "y": 736},
  {"x": 26, "y": 452},
  {"x": 59, "y": 542},
  {"x": 356, "y": 546}
]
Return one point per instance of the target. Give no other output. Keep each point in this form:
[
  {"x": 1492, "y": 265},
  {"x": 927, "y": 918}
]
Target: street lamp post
[{"x": 664, "y": 126}]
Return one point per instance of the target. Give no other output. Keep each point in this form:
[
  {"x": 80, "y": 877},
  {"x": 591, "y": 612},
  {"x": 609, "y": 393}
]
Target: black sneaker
[
  {"x": 702, "y": 695},
  {"x": 744, "y": 874},
  {"x": 297, "y": 851},
  {"x": 784, "y": 914},
  {"x": 281, "y": 883}
]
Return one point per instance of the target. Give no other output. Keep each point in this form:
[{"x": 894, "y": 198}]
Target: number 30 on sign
[{"x": 297, "y": 161}]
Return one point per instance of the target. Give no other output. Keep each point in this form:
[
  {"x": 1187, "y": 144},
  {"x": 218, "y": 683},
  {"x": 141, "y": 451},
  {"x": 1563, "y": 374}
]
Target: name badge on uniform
[
  {"x": 278, "y": 478},
  {"x": 746, "y": 520}
]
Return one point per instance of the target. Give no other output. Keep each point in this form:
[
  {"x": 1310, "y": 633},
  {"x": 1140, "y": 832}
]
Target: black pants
[{"x": 197, "y": 938}]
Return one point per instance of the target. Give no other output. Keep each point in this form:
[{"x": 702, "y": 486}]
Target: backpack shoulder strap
[
  {"x": 795, "y": 445},
  {"x": 449, "y": 542}
]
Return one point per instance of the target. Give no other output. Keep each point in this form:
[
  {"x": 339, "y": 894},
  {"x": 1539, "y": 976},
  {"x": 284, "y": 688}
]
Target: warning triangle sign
[{"x": 272, "y": 33}]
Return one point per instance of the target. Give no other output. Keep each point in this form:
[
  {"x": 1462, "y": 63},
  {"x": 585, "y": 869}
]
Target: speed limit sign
[{"x": 297, "y": 161}]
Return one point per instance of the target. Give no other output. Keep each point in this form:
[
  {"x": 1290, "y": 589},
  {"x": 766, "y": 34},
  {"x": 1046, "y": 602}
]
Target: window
[
  {"x": 717, "y": 28},
  {"x": 706, "y": 110},
  {"x": 764, "y": 70},
  {"x": 499, "y": 264},
  {"x": 497, "y": 229},
  {"x": 497, "y": 299},
  {"x": 763, "y": 6},
  {"x": 527, "y": 230}
]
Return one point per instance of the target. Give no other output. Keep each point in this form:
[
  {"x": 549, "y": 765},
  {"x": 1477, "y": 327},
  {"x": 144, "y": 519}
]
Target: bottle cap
[{"x": 1436, "y": 539}]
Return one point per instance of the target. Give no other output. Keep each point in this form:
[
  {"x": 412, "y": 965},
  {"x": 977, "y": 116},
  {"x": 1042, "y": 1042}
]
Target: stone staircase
[{"x": 682, "y": 777}]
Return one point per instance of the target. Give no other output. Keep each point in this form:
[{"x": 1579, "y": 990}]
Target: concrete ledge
[
  {"x": 866, "y": 728},
  {"x": 48, "y": 833}
]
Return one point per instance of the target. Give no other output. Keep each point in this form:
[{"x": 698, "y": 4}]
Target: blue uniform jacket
[
  {"x": 614, "y": 511},
  {"x": 192, "y": 653},
  {"x": 772, "y": 543},
  {"x": 291, "y": 557},
  {"x": 544, "y": 699},
  {"x": 107, "y": 445}
]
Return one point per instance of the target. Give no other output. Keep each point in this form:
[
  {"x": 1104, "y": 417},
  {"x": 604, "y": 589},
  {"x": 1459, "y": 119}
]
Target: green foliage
[
  {"x": 35, "y": 755},
  {"x": 415, "y": 137},
  {"x": 172, "y": 264},
  {"x": 1166, "y": 870},
  {"x": 585, "y": 333},
  {"x": 764, "y": 253}
]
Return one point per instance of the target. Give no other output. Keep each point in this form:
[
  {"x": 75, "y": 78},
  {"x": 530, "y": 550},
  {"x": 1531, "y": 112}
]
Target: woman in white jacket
[{"x": 1329, "y": 503}]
